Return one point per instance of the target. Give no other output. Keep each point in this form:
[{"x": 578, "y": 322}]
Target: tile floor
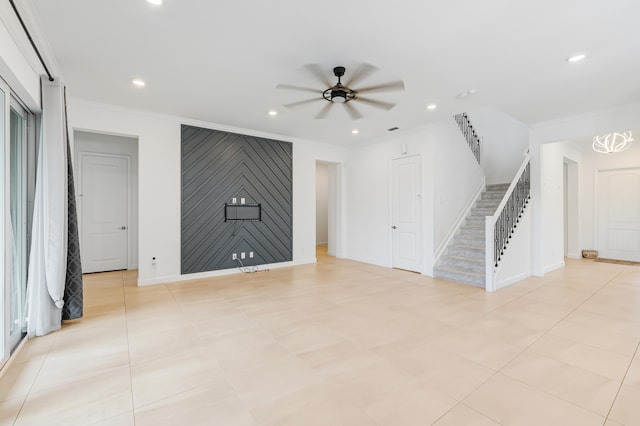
[{"x": 339, "y": 343}]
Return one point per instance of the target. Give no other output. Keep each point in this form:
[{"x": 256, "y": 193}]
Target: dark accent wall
[{"x": 218, "y": 166}]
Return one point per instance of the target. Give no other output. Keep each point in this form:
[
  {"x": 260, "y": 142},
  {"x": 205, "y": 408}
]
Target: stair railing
[
  {"x": 500, "y": 227},
  {"x": 469, "y": 134}
]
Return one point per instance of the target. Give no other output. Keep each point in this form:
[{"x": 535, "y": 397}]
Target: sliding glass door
[
  {"x": 16, "y": 125},
  {"x": 17, "y": 251}
]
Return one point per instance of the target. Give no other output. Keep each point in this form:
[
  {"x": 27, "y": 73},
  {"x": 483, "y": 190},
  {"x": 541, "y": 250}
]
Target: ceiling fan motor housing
[{"x": 339, "y": 93}]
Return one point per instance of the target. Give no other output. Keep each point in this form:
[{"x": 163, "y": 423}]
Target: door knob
[
  {"x": 123, "y": 227},
  {"x": 394, "y": 227}
]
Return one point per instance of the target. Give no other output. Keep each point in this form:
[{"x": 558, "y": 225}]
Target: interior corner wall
[
  {"x": 450, "y": 177},
  {"x": 218, "y": 167},
  {"x": 322, "y": 204},
  {"x": 504, "y": 141},
  {"x": 160, "y": 187}
]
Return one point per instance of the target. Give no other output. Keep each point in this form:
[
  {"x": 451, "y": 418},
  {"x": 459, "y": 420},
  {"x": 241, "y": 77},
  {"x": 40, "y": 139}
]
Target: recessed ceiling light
[
  {"x": 155, "y": 2},
  {"x": 355, "y": 131},
  {"x": 273, "y": 113},
  {"x": 576, "y": 58},
  {"x": 138, "y": 82},
  {"x": 431, "y": 107}
]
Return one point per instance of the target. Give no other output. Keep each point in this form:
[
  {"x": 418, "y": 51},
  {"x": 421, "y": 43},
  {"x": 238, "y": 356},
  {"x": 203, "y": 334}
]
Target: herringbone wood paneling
[{"x": 218, "y": 166}]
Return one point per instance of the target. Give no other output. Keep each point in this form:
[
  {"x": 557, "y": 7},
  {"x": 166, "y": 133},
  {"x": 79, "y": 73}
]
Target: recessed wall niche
[{"x": 222, "y": 169}]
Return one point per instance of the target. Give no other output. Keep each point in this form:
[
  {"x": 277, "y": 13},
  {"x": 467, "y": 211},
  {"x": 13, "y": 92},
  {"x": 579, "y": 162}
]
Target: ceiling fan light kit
[{"x": 341, "y": 93}]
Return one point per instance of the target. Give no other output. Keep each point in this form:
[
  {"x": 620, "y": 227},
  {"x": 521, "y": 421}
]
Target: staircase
[{"x": 464, "y": 258}]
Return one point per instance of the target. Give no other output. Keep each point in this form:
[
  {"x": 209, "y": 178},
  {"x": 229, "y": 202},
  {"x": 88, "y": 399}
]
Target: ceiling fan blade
[
  {"x": 306, "y": 101},
  {"x": 375, "y": 103},
  {"x": 320, "y": 74},
  {"x": 353, "y": 112},
  {"x": 363, "y": 71},
  {"x": 299, "y": 88},
  {"x": 324, "y": 111},
  {"x": 384, "y": 87}
]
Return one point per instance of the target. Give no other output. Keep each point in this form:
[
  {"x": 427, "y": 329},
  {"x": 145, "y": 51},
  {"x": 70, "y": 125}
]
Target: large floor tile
[
  {"x": 164, "y": 377},
  {"x": 461, "y": 415},
  {"x": 82, "y": 402},
  {"x": 626, "y": 409},
  {"x": 588, "y": 390},
  {"x": 414, "y": 405},
  {"x": 590, "y": 358},
  {"x": 512, "y": 403},
  {"x": 212, "y": 404}
]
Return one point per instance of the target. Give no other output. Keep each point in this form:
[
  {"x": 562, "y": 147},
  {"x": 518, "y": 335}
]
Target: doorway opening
[
  {"x": 107, "y": 173},
  {"x": 328, "y": 210}
]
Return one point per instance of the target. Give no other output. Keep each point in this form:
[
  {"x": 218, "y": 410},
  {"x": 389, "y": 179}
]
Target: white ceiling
[{"x": 220, "y": 61}]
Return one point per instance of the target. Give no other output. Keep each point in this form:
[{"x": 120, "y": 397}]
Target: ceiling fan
[{"x": 344, "y": 93}]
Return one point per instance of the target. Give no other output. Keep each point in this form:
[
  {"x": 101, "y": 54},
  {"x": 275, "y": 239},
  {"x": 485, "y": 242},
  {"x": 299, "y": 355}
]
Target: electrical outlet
[
  {"x": 250, "y": 255},
  {"x": 242, "y": 255},
  {"x": 234, "y": 256}
]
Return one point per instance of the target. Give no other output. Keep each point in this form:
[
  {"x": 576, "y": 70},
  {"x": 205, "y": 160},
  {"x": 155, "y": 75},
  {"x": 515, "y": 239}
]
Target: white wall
[
  {"x": 159, "y": 183},
  {"x": 457, "y": 179},
  {"x": 15, "y": 67},
  {"x": 516, "y": 261},
  {"x": 552, "y": 200},
  {"x": 503, "y": 143},
  {"x": 109, "y": 144},
  {"x": 322, "y": 204}
]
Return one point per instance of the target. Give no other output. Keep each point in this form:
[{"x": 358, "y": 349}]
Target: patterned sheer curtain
[{"x": 49, "y": 261}]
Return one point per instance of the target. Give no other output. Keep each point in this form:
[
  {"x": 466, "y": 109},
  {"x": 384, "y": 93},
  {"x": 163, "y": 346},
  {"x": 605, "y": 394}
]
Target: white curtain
[{"x": 48, "y": 261}]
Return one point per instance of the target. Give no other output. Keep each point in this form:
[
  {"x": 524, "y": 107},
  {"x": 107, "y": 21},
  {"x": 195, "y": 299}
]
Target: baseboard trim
[
  {"x": 512, "y": 280},
  {"x": 212, "y": 274},
  {"x": 553, "y": 267}
]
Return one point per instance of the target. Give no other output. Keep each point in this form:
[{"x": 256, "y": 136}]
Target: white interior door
[
  {"x": 104, "y": 211},
  {"x": 619, "y": 214},
  {"x": 406, "y": 214}
]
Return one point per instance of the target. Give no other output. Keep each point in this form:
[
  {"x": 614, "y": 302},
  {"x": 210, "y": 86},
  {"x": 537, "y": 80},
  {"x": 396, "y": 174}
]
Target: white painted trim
[
  {"x": 512, "y": 280},
  {"x": 212, "y": 274},
  {"x": 490, "y": 271},
  {"x": 553, "y": 267},
  {"x": 453, "y": 230}
]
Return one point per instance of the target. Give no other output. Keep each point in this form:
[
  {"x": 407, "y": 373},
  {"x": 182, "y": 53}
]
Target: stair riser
[
  {"x": 468, "y": 241},
  {"x": 488, "y": 204},
  {"x": 472, "y": 231},
  {"x": 482, "y": 212},
  {"x": 460, "y": 278},
  {"x": 469, "y": 266},
  {"x": 465, "y": 252}
]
